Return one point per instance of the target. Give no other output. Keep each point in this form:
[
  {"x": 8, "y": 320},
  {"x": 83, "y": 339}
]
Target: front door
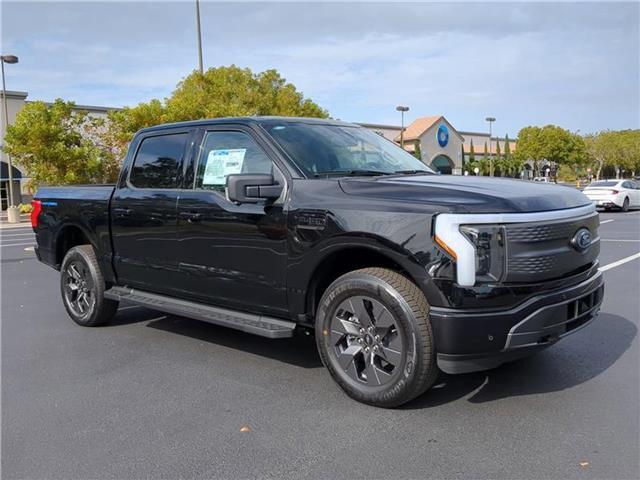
[
  {"x": 232, "y": 254},
  {"x": 143, "y": 212}
]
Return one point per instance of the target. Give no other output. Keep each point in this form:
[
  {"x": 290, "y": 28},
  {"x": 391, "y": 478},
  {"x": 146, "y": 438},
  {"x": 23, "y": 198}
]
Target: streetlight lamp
[
  {"x": 402, "y": 109},
  {"x": 490, "y": 120},
  {"x": 199, "y": 33},
  {"x": 13, "y": 214}
]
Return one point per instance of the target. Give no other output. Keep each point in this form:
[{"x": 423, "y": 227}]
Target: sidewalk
[{"x": 25, "y": 220}]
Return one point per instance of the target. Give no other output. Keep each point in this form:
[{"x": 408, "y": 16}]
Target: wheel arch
[
  {"x": 70, "y": 235},
  {"x": 353, "y": 256}
]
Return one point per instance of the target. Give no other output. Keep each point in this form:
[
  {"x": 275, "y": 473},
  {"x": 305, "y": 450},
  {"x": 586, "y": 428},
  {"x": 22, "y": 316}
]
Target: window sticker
[{"x": 221, "y": 163}]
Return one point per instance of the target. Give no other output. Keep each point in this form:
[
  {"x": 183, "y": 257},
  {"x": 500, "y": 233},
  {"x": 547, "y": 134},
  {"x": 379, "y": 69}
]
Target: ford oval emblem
[
  {"x": 581, "y": 240},
  {"x": 443, "y": 135}
]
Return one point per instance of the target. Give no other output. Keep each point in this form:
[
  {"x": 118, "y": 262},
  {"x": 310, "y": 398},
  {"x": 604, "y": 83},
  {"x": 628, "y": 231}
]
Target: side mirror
[{"x": 252, "y": 187}]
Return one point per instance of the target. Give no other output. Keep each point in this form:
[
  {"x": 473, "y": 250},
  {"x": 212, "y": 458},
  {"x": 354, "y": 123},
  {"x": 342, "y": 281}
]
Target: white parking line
[
  {"x": 16, "y": 244},
  {"x": 617, "y": 240},
  {"x": 26, "y": 234},
  {"x": 607, "y": 221},
  {"x": 620, "y": 262},
  {"x": 14, "y": 226}
]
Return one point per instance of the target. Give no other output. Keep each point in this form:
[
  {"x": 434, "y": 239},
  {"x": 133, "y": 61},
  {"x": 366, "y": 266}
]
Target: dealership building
[{"x": 441, "y": 145}]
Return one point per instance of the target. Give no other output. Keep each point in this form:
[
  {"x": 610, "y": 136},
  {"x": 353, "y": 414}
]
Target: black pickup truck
[{"x": 273, "y": 225}]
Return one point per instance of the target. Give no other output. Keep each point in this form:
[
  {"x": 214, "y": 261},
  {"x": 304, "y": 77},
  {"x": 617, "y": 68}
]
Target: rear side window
[{"x": 158, "y": 160}]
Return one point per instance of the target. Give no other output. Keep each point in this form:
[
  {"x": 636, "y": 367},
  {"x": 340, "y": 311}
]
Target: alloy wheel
[
  {"x": 78, "y": 288},
  {"x": 366, "y": 341}
]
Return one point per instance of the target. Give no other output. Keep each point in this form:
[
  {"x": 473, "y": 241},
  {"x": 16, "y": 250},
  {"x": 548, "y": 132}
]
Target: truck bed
[{"x": 83, "y": 208}]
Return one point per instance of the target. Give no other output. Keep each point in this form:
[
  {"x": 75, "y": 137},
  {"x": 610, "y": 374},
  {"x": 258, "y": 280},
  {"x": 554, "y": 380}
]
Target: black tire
[
  {"x": 625, "y": 205},
  {"x": 82, "y": 288},
  {"x": 396, "y": 300}
]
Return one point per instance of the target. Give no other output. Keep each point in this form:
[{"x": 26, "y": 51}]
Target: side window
[
  {"x": 227, "y": 152},
  {"x": 158, "y": 160},
  {"x": 626, "y": 185}
]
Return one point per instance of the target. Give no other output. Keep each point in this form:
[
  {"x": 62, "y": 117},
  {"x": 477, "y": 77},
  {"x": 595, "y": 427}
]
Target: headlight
[
  {"x": 489, "y": 244},
  {"x": 478, "y": 250}
]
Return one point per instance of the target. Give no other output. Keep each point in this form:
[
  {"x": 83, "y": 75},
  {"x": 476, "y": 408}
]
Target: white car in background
[{"x": 623, "y": 194}]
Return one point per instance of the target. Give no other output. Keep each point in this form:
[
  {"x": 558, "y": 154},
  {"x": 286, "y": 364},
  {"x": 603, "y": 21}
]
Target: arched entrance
[{"x": 442, "y": 164}]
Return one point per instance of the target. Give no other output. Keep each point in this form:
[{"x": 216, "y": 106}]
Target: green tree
[
  {"x": 122, "y": 124},
  {"x": 472, "y": 153},
  {"x": 628, "y": 150},
  {"x": 482, "y": 164},
  {"x": 234, "y": 91},
  {"x": 498, "y": 160},
  {"x": 513, "y": 165},
  {"x": 55, "y": 144},
  {"x": 417, "y": 151},
  {"x": 484, "y": 161},
  {"x": 219, "y": 92},
  {"x": 614, "y": 149},
  {"x": 551, "y": 144}
]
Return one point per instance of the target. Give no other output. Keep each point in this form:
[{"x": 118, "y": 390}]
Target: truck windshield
[{"x": 320, "y": 150}]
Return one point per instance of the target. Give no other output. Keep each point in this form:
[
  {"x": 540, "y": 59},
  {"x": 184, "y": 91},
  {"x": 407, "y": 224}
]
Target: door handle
[
  {"x": 191, "y": 217},
  {"x": 123, "y": 212}
]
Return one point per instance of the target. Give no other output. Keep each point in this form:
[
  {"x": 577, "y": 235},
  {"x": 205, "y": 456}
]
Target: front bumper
[{"x": 469, "y": 341}]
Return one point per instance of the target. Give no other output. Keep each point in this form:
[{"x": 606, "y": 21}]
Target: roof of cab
[{"x": 247, "y": 121}]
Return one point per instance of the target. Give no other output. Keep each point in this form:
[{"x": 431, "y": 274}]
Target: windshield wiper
[
  {"x": 413, "y": 172},
  {"x": 369, "y": 173}
]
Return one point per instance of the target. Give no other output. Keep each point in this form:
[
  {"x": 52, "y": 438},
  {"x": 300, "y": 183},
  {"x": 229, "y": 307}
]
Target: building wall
[
  {"x": 430, "y": 148},
  {"x": 15, "y": 103}
]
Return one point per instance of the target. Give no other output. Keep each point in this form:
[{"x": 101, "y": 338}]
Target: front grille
[
  {"x": 541, "y": 233},
  {"x": 543, "y": 250},
  {"x": 532, "y": 265}
]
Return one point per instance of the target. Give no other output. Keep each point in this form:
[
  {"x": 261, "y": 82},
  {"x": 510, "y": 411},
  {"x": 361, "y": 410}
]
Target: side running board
[{"x": 247, "y": 322}]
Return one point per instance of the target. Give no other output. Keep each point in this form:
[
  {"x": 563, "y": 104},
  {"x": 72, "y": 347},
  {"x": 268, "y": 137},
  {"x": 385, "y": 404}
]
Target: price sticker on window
[{"x": 221, "y": 163}]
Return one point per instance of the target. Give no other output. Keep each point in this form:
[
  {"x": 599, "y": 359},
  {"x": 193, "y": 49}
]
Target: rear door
[
  {"x": 143, "y": 211},
  {"x": 232, "y": 254},
  {"x": 633, "y": 191}
]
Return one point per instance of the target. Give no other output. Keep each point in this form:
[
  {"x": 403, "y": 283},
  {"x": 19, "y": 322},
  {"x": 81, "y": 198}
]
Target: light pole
[
  {"x": 402, "y": 109},
  {"x": 200, "y": 67},
  {"x": 490, "y": 120},
  {"x": 13, "y": 215}
]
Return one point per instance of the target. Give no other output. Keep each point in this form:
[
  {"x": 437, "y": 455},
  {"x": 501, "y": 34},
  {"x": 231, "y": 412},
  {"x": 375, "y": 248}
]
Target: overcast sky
[{"x": 572, "y": 64}]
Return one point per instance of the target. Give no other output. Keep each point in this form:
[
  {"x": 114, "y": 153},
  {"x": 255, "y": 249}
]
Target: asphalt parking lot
[{"x": 154, "y": 395}]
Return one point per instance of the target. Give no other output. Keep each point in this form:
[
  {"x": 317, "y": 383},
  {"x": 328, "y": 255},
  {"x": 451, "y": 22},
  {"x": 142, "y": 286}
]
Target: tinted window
[
  {"x": 224, "y": 153},
  {"x": 604, "y": 183},
  {"x": 158, "y": 160},
  {"x": 320, "y": 149}
]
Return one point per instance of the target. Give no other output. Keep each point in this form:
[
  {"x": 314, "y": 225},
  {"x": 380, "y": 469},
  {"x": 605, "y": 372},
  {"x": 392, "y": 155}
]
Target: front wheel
[
  {"x": 82, "y": 287},
  {"x": 375, "y": 338}
]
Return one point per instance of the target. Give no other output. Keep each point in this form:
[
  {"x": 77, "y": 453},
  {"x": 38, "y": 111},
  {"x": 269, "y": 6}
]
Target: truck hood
[{"x": 468, "y": 194}]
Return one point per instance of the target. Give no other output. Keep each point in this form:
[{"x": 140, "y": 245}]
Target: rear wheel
[
  {"x": 82, "y": 287},
  {"x": 374, "y": 336},
  {"x": 625, "y": 205}
]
